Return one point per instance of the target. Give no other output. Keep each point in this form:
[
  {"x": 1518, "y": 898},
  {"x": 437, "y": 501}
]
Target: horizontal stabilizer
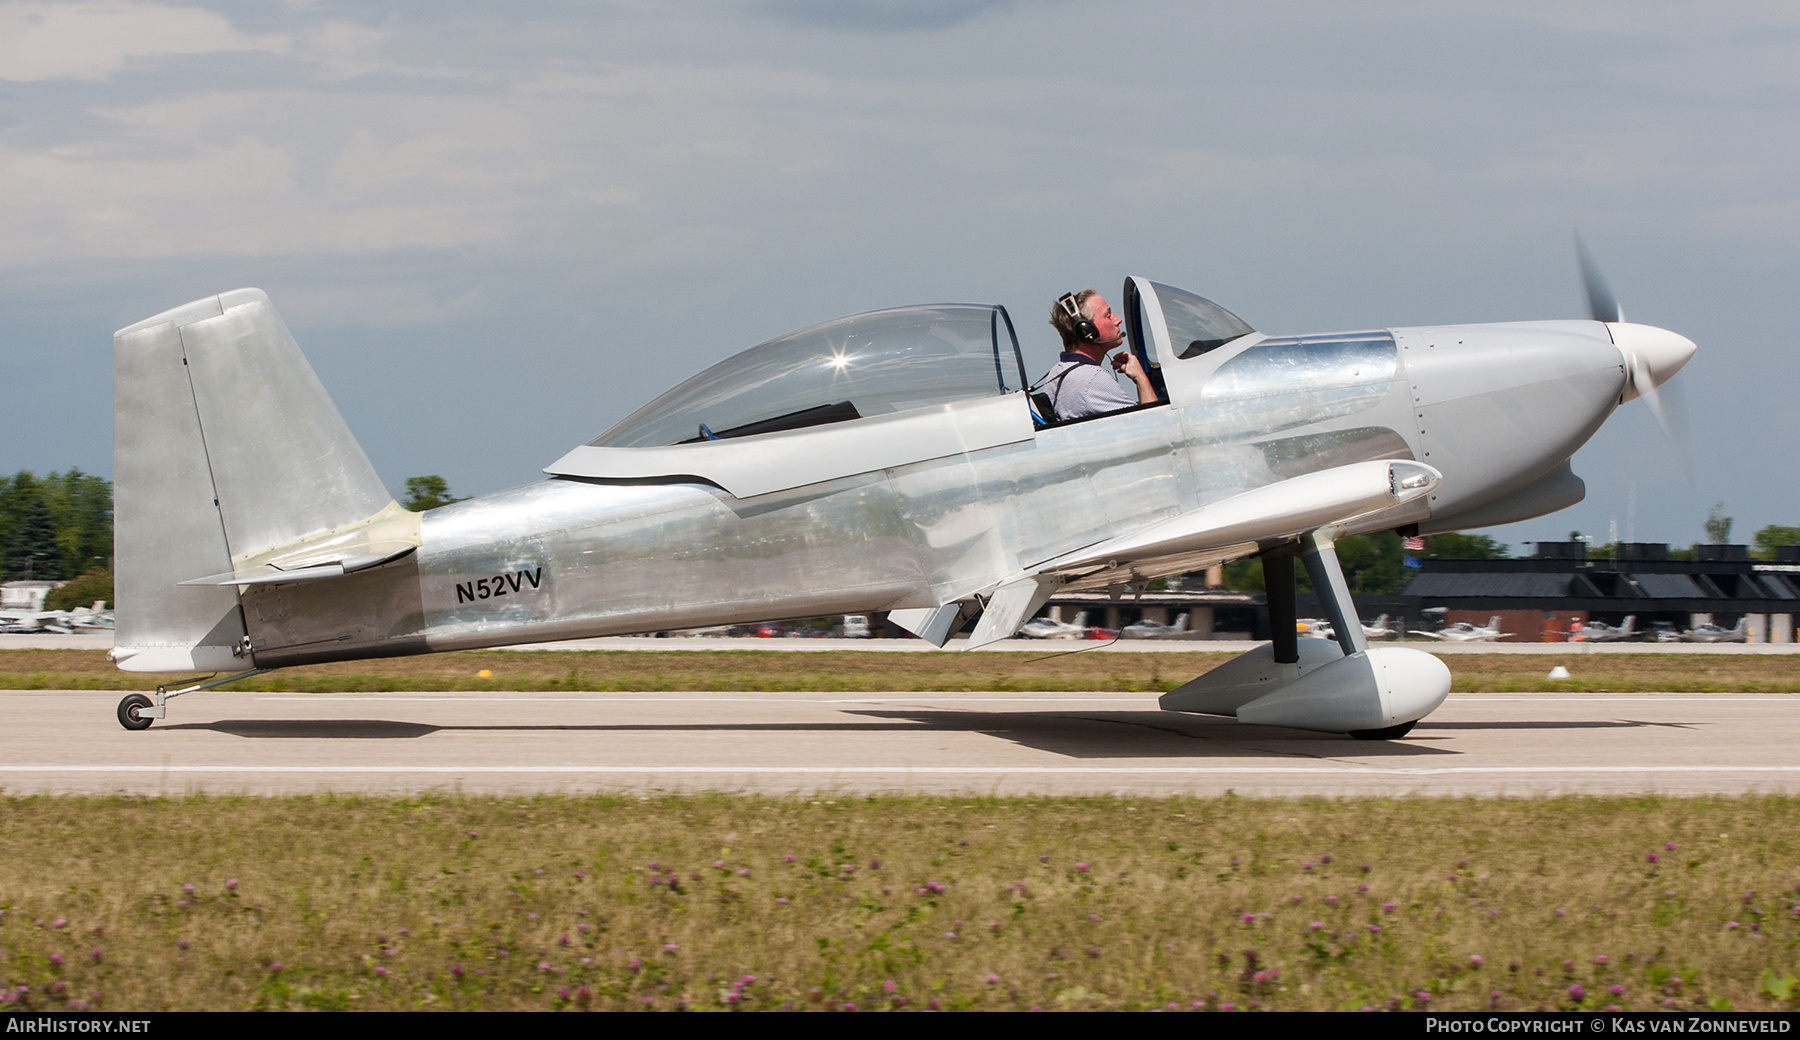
[
  {"x": 313, "y": 570},
  {"x": 209, "y": 657}
]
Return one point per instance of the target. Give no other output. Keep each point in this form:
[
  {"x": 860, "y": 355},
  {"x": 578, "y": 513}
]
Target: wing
[{"x": 1234, "y": 526}]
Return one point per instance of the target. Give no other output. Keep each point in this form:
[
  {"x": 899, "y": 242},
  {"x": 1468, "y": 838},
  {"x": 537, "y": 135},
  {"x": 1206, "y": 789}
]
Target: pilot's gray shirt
[{"x": 1089, "y": 388}]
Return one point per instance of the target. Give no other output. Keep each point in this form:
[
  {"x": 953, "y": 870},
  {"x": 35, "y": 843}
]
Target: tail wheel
[
  {"x": 1390, "y": 733},
  {"x": 129, "y": 709}
]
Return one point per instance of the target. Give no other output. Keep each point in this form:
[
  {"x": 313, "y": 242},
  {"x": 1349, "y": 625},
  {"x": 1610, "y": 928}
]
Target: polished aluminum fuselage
[{"x": 1497, "y": 409}]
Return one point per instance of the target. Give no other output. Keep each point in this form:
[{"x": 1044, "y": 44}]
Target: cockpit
[
  {"x": 905, "y": 385},
  {"x": 1164, "y": 324},
  {"x": 889, "y": 361}
]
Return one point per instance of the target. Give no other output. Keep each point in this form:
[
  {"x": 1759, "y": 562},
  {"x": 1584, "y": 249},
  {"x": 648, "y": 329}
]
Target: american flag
[{"x": 1413, "y": 544}]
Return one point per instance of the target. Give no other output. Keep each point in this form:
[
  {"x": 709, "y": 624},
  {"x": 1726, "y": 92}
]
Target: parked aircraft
[
  {"x": 1314, "y": 628},
  {"x": 884, "y": 461},
  {"x": 20, "y": 621},
  {"x": 95, "y": 621},
  {"x": 707, "y": 632},
  {"x": 60, "y": 622},
  {"x": 1320, "y": 629},
  {"x": 1148, "y": 629},
  {"x": 1715, "y": 634},
  {"x": 1463, "y": 632},
  {"x": 1600, "y": 632},
  {"x": 1050, "y": 628}
]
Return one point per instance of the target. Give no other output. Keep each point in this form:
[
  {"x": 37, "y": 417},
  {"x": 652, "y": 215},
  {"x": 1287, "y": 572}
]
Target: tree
[
  {"x": 82, "y": 507},
  {"x": 1772, "y": 536},
  {"x": 1245, "y": 575},
  {"x": 81, "y": 516},
  {"x": 1459, "y": 546},
  {"x": 32, "y": 552},
  {"x": 1371, "y": 564},
  {"x": 82, "y": 592},
  {"x": 16, "y": 492},
  {"x": 430, "y": 492},
  {"x": 1718, "y": 525}
]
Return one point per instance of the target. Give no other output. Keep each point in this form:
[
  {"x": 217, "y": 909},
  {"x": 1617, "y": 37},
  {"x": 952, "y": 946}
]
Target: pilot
[{"x": 1079, "y": 386}]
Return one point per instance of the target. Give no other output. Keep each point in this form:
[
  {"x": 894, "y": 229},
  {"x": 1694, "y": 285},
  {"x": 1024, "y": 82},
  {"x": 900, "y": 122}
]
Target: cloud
[
  {"x": 1769, "y": 220},
  {"x": 635, "y": 156},
  {"x": 237, "y": 193},
  {"x": 93, "y": 41},
  {"x": 375, "y": 304},
  {"x": 885, "y": 16},
  {"x": 1195, "y": 173},
  {"x": 1674, "y": 20},
  {"x": 1620, "y": 159}
]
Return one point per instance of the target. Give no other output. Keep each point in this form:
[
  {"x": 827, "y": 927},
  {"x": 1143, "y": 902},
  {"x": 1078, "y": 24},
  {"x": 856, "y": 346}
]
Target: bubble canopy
[{"x": 850, "y": 368}]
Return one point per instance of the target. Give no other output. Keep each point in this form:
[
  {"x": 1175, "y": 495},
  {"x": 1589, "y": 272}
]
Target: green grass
[
  {"x": 871, "y": 671},
  {"x": 373, "y": 903}
]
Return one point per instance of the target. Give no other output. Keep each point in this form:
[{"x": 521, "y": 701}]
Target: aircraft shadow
[
  {"x": 315, "y": 729},
  {"x": 387, "y": 729},
  {"x": 1081, "y": 735},
  {"x": 1543, "y": 724},
  {"x": 1154, "y": 734}
]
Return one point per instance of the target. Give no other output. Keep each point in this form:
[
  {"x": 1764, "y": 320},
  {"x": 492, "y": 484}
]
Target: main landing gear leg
[
  {"x": 137, "y": 711},
  {"x": 1284, "y": 621},
  {"x": 1320, "y": 553}
]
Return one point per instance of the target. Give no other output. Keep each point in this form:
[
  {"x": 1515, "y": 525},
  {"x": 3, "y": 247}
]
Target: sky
[{"x": 497, "y": 229}]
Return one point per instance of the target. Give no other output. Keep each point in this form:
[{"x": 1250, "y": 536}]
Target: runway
[
  {"x": 950, "y": 743},
  {"x": 104, "y": 641}
]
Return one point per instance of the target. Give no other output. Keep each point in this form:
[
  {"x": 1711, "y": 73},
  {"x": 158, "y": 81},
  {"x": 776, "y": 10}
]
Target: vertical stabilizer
[{"x": 225, "y": 446}]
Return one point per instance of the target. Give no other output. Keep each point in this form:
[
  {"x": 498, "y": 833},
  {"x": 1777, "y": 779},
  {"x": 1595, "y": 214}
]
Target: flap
[
  {"x": 932, "y": 624},
  {"x": 1010, "y": 606}
]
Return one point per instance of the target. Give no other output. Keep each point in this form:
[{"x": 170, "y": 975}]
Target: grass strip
[
  {"x": 853, "y": 671},
  {"x": 721, "y": 902}
]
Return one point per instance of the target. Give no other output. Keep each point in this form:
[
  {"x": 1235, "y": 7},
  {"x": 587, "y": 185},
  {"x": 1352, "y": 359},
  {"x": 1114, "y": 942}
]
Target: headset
[{"x": 1084, "y": 326}]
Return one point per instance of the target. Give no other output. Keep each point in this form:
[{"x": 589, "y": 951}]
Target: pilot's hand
[{"x": 1127, "y": 362}]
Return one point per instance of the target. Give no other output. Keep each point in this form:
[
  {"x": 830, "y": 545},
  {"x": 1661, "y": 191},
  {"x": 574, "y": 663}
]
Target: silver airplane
[
  {"x": 1463, "y": 632},
  {"x": 60, "y": 622},
  {"x": 1050, "y": 628},
  {"x": 1148, "y": 629},
  {"x": 1379, "y": 630},
  {"x": 891, "y": 461},
  {"x": 20, "y": 621},
  {"x": 1715, "y": 634},
  {"x": 1600, "y": 632}
]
